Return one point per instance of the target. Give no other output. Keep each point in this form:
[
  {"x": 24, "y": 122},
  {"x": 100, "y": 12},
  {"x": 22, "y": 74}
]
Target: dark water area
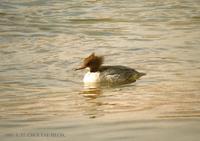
[{"x": 43, "y": 41}]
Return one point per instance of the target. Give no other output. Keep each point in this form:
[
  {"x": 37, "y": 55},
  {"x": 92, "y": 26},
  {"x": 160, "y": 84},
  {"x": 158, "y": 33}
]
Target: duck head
[{"x": 92, "y": 62}]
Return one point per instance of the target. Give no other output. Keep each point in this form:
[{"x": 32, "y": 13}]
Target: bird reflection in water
[{"x": 92, "y": 94}]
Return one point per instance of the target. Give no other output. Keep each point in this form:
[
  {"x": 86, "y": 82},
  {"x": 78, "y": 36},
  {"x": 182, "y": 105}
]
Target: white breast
[{"x": 91, "y": 77}]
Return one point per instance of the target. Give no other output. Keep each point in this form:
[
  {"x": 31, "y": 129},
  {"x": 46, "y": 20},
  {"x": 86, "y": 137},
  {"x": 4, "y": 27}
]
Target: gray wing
[{"x": 118, "y": 74}]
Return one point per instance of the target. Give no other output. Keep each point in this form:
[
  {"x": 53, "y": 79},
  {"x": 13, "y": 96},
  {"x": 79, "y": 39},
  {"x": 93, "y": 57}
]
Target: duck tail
[
  {"x": 140, "y": 74},
  {"x": 137, "y": 75}
]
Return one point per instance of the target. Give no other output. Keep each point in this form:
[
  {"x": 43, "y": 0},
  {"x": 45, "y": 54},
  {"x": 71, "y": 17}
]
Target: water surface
[{"x": 41, "y": 42}]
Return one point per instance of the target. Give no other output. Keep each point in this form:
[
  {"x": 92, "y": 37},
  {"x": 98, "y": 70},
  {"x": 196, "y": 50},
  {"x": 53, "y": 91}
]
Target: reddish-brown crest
[{"x": 93, "y": 62}]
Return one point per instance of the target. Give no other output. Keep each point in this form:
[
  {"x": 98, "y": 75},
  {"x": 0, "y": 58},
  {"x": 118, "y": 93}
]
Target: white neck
[{"x": 91, "y": 77}]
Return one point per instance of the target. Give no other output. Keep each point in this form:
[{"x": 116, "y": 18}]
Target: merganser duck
[{"x": 107, "y": 74}]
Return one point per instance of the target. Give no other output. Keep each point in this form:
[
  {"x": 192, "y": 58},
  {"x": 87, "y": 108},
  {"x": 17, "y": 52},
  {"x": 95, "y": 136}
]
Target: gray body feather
[{"x": 119, "y": 74}]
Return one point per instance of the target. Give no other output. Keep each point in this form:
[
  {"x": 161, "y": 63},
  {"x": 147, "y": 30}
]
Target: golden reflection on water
[{"x": 91, "y": 93}]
